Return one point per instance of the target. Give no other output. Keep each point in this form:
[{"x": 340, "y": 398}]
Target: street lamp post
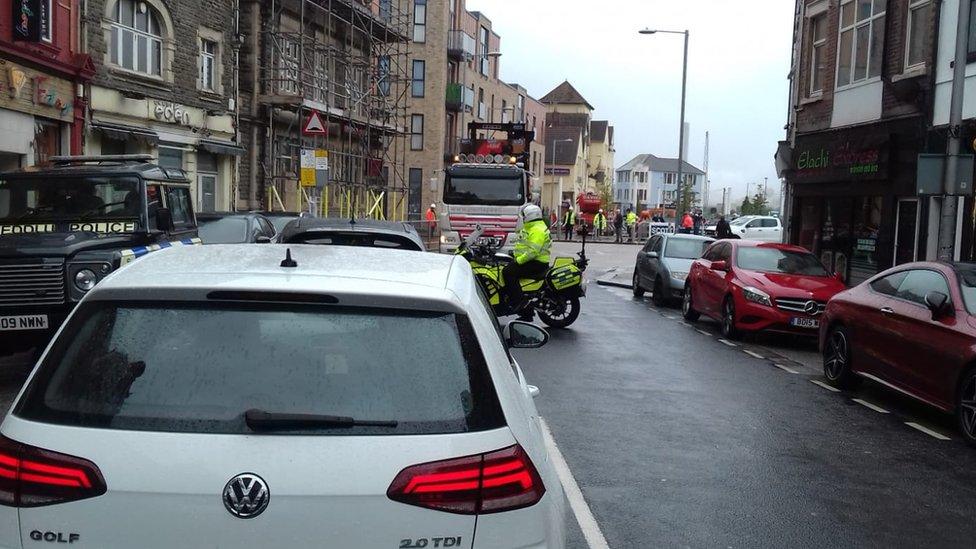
[{"x": 679, "y": 203}]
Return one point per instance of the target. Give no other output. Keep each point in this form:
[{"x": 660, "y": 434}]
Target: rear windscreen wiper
[{"x": 260, "y": 420}]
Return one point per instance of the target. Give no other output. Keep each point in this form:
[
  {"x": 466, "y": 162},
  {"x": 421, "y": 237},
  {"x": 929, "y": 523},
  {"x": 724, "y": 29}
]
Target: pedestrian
[
  {"x": 569, "y": 222},
  {"x": 599, "y": 223},
  {"x": 722, "y": 229},
  {"x": 631, "y": 223},
  {"x": 553, "y": 218},
  {"x": 687, "y": 223},
  {"x": 618, "y": 225},
  {"x": 697, "y": 218},
  {"x": 431, "y": 220}
]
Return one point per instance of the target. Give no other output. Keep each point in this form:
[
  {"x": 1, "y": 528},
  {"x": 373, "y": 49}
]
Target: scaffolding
[{"x": 347, "y": 61}]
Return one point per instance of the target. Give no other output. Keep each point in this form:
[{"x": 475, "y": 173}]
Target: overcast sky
[{"x": 739, "y": 60}]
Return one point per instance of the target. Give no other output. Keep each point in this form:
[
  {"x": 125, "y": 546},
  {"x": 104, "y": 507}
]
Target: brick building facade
[
  {"x": 166, "y": 85},
  {"x": 861, "y": 95}
]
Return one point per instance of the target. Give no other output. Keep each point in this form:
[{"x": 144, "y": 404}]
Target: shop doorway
[
  {"x": 206, "y": 182},
  {"x": 906, "y": 231}
]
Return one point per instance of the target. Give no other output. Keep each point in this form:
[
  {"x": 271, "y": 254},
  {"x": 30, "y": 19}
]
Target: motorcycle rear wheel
[{"x": 569, "y": 315}]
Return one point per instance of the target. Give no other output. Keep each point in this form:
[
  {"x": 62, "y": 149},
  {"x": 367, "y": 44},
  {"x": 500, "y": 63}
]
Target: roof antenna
[{"x": 288, "y": 262}]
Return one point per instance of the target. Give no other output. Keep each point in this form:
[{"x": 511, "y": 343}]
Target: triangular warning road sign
[{"x": 314, "y": 125}]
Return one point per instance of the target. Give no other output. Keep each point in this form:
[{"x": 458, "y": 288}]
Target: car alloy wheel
[
  {"x": 728, "y": 319},
  {"x": 688, "y": 307},
  {"x": 835, "y": 356},
  {"x": 966, "y": 408}
]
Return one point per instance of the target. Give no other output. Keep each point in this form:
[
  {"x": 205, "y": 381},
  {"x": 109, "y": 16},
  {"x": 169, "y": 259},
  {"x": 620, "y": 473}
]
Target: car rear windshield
[
  {"x": 967, "y": 281},
  {"x": 773, "y": 260},
  {"x": 229, "y": 230},
  {"x": 685, "y": 248},
  {"x": 365, "y": 240},
  {"x": 166, "y": 367}
]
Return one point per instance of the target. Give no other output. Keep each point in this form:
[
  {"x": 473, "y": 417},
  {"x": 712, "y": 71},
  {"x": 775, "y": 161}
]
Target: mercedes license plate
[
  {"x": 811, "y": 323},
  {"x": 23, "y": 322}
]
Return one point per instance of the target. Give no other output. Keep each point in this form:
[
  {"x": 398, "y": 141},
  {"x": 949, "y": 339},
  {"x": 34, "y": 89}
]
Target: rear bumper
[{"x": 753, "y": 317}]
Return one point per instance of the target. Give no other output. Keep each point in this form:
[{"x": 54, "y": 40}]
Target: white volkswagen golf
[{"x": 255, "y": 396}]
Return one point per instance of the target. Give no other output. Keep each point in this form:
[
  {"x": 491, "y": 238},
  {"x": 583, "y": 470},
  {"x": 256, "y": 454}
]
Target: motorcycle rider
[{"x": 531, "y": 258}]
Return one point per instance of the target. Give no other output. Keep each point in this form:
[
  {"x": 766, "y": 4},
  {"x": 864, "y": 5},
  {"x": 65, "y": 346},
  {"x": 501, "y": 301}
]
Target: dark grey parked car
[
  {"x": 344, "y": 232},
  {"x": 663, "y": 265},
  {"x": 235, "y": 228}
]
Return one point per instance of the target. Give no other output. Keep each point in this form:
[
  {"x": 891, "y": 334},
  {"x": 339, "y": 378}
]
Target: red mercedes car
[
  {"x": 754, "y": 286},
  {"x": 911, "y": 329}
]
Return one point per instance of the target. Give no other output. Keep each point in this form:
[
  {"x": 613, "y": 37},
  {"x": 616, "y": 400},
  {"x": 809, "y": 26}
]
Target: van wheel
[
  {"x": 837, "y": 360},
  {"x": 966, "y": 407}
]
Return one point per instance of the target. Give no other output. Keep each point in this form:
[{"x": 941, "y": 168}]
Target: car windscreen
[
  {"x": 228, "y": 230},
  {"x": 280, "y": 221},
  {"x": 68, "y": 204},
  {"x": 199, "y": 368},
  {"x": 685, "y": 248},
  {"x": 967, "y": 282},
  {"x": 773, "y": 260},
  {"x": 359, "y": 239},
  {"x": 484, "y": 191}
]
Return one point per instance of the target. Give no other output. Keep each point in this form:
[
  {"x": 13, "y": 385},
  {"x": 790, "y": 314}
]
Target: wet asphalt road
[{"x": 679, "y": 440}]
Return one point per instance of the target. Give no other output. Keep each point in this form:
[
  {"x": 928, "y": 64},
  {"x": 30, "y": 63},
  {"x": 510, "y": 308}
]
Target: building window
[
  {"x": 416, "y": 193},
  {"x": 169, "y": 157},
  {"x": 47, "y": 20},
  {"x": 137, "y": 43},
  {"x": 484, "y": 51},
  {"x": 208, "y": 59},
  {"x": 419, "y": 20},
  {"x": 861, "y": 41},
  {"x": 416, "y": 132},
  {"x": 972, "y": 27},
  {"x": 818, "y": 52},
  {"x": 520, "y": 111},
  {"x": 481, "y": 104},
  {"x": 417, "y": 85},
  {"x": 504, "y": 111},
  {"x": 919, "y": 15},
  {"x": 383, "y": 76}
]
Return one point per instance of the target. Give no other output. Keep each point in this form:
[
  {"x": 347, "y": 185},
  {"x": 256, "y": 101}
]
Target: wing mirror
[
  {"x": 652, "y": 255},
  {"x": 164, "y": 220},
  {"x": 524, "y": 335},
  {"x": 263, "y": 239},
  {"x": 938, "y": 303},
  {"x": 722, "y": 266}
]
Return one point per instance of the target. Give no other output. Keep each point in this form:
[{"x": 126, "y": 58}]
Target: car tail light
[
  {"x": 32, "y": 477},
  {"x": 504, "y": 480}
]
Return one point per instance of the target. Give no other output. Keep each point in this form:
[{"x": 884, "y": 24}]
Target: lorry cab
[
  {"x": 65, "y": 227},
  {"x": 485, "y": 195}
]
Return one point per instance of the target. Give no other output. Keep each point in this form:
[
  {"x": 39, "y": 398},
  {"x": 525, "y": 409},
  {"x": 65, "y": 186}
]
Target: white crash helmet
[{"x": 531, "y": 212}]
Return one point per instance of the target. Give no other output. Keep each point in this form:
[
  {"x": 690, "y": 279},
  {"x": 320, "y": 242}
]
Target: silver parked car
[{"x": 664, "y": 263}]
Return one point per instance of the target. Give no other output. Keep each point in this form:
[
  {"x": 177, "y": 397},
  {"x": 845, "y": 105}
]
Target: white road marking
[
  {"x": 927, "y": 431},
  {"x": 703, "y": 332},
  {"x": 683, "y": 323},
  {"x": 727, "y": 342},
  {"x": 754, "y": 355},
  {"x": 786, "y": 369},
  {"x": 669, "y": 317},
  {"x": 871, "y": 406},
  {"x": 825, "y": 386},
  {"x": 587, "y": 522}
]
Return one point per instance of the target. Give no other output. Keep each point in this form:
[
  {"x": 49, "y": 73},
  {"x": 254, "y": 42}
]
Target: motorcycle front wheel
[{"x": 570, "y": 312}]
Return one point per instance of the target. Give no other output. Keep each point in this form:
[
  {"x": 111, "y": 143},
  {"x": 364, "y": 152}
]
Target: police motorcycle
[{"x": 556, "y": 298}]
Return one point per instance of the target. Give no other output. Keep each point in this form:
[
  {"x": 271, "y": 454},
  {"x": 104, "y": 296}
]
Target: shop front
[
  {"x": 854, "y": 202},
  {"x": 199, "y": 141},
  {"x": 37, "y": 116}
]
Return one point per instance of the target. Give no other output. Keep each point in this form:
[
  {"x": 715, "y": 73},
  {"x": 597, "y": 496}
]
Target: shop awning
[
  {"x": 221, "y": 147},
  {"x": 126, "y": 133}
]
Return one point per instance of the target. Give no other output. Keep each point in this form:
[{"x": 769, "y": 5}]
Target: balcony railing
[
  {"x": 460, "y": 45},
  {"x": 459, "y": 97}
]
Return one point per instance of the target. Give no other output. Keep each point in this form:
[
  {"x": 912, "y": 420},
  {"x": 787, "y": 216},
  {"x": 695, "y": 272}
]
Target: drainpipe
[{"x": 255, "y": 69}]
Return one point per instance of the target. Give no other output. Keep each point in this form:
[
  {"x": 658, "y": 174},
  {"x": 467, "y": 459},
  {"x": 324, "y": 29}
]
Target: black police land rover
[{"x": 65, "y": 227}]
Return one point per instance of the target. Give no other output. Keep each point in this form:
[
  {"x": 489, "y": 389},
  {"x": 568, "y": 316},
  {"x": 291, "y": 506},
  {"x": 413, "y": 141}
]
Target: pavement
[{"x": 677, "y": 438}]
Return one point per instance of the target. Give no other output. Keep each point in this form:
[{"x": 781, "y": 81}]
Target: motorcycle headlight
[
  {"x": 757, "y": 296},
  {"x": 85, "y": 279},
  {"x": 679, "y": 276},
  {"x": 449, "y": 238}
]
